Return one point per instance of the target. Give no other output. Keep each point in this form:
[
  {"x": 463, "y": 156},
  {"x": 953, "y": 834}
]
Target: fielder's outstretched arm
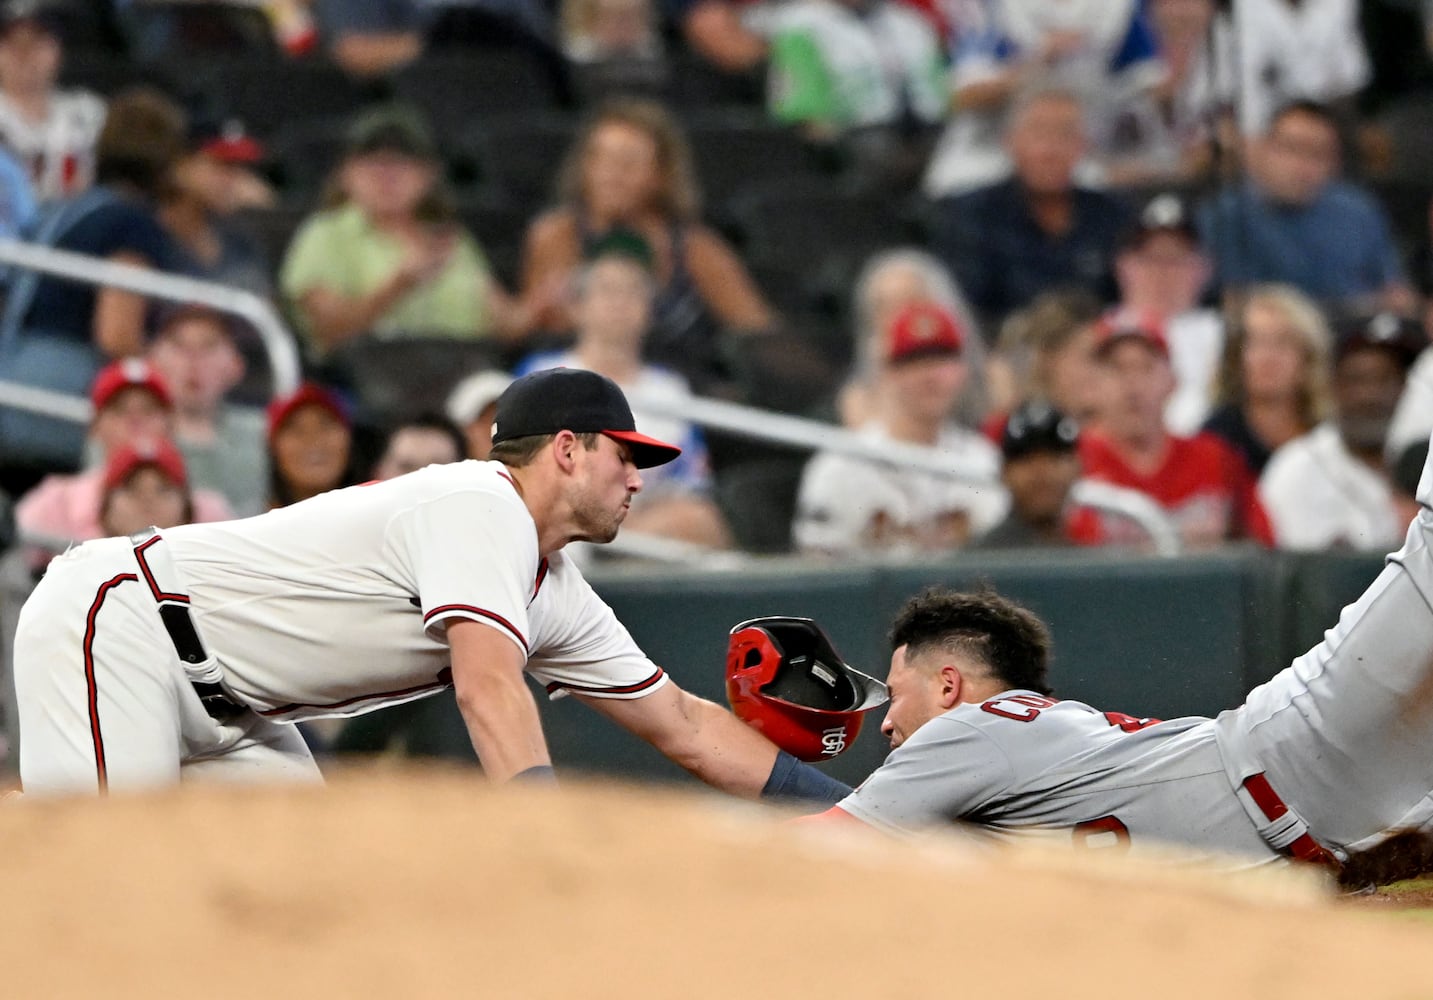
[
  {"x": 717, "y": 747},
  {"x": 496, "y": 702}
]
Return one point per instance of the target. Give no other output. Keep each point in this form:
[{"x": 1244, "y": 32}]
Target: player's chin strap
[{"x": 201, "y": 668}]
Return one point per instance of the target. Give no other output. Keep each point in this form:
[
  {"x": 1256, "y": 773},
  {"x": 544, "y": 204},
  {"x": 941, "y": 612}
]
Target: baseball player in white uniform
[
  {"x": 1323, "y": 762},
  {"x": 142, "y": 661}
]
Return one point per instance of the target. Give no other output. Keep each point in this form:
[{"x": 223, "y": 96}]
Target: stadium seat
[
  {"x": 735, "y": 148},
  {"x": 456, "y": 88},
  {"x": 498, "y": 227},
  {"x": 757, "y": 494},
  {"x": 273, "y": 229},
  {"x": 303, "y": 154},
  {"x": 520, "y": 154},
  {"x": 158, "y": 30},
  {"x": 265, "y": 93},
  {"x": 398, "y": 379},
  {"x": 697, "y": 84},
  {"x": 806, "y": 221}
]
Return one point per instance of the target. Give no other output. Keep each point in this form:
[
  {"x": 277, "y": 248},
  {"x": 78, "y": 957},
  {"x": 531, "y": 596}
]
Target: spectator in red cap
[
  {"x": 213, "y": 180},
  {"x": 145, "y": 486},
  {"x": 310, "y": 445},
  {"x": 132, "y": 408},
  {"x": 1331, "y": 488},
  {"x": 1202, "y": 484},
  {"x": 850, "y": 504}
]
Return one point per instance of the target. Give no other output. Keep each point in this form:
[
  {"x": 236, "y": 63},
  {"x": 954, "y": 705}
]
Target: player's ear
[
  {"x": 951, "y": 683},
  {"x": 564, "y": 450}
]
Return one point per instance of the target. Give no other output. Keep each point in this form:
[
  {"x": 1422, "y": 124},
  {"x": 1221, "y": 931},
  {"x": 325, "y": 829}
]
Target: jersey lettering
[
  {"x": 1129, "y": 723},
  {"x": 1105, "y": 833},
  {"x": 1020, "y": 707}
]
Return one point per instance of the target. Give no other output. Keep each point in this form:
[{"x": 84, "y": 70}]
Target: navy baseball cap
[
  {"x": 1038, "y": 426},
  {"x": 570, "y": 399}
]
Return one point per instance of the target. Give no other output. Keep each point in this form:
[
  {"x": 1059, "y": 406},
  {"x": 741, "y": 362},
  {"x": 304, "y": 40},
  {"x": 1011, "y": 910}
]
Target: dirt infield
[{"x": 395, "y": 885}]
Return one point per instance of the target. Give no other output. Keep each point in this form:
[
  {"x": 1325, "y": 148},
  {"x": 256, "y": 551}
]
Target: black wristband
[
  {"x": 791, "y": 779},
  {"x": 538, "y": 774}
]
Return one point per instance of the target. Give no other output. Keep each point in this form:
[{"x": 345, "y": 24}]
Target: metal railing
[
  {"x": 778, "y": 428},
  {"x": 257, "y": 311}
]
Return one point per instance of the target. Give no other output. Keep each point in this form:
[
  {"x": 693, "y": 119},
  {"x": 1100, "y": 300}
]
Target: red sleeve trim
[
  {"x": 159, "y": 595},
  {"x": 637, "y": 688},
  {"x": 468, "y": 609}
]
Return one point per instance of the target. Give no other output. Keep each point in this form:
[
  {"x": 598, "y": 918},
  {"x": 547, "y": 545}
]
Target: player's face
[
  {"x": 620, "y": 170},
  {"x": 1045, "y": 143},
  {"x": 927, "y": 389},
  {"x": 614, "y": 306},
  {"x": 1039, "y": 484},
  {"x": 1299, "y": 157},
  {"x": 1138, "y": 383},
  {"x": 1367, "y": 384},
  {"x": 388, "y": 183},
  {"x": 413, "y": 448},
  {"x": 148, "y": 497},
  {"x": 311, "y": 450},
  {"x": 915, "y": 697},
  {"x": 131, "y": 416},
  {"x": 198, "y": 362},
  {"x": 1165, "y": 273},
  {"x": 604, "y": 490},
  {"x": 29, "y": 58},
  {"x": 1274, "y": 355}
]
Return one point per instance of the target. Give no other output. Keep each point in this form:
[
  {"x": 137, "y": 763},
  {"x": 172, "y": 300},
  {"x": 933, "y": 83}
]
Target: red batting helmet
[{"x": 786, "y": 680}]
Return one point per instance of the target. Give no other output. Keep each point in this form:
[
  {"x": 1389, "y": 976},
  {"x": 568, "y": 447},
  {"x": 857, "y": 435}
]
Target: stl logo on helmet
[{"x": 833, "y": 741}]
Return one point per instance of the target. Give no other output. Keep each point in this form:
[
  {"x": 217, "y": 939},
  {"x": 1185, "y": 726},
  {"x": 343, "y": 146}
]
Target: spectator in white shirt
[
  {"x": 52, "y": 132},
  {"x": 1291, "y": 50},
  {"x": 851, "y": 504},
  {"x": 1331, "y": 488}
]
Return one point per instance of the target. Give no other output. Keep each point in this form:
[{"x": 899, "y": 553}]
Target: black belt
[{"x": 182, "y": 633}]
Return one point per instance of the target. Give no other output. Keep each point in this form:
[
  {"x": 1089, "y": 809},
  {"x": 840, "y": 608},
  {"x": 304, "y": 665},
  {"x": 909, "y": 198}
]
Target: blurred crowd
[{"x": 1176, "y": 246}]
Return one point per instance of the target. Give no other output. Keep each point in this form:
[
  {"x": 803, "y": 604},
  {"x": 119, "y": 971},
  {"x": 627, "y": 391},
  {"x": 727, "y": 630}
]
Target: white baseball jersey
[
  {"x": 848, "y": 504},
  {"x": 59, "y": 152},
  {"x": 1319, "y": 495},
  {"x": 333, "y": 606},
  {"x": 1338, "y": 747}
]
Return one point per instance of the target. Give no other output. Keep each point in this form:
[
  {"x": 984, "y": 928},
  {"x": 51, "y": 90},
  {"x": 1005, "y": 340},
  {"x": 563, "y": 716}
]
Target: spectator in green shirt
[{"x": 387, "y": 258}]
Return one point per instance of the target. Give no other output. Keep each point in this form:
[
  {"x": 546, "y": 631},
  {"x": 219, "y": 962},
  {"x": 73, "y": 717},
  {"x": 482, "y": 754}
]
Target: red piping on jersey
[
  {"x": 445, "y": 608},
  {"x": 101, "y": 770},
  {"x": 445, "y": 679},
  {"x": 509, "y": 479},
  {"x": 627, "y": 689},
  {"x": 1305, "y": 848},
  {"x": 159, "y": 595}
]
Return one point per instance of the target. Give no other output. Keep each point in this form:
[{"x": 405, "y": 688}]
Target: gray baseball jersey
[
  {"x": 1329, "y": 756},
  {"x": 1022, "y": 762}
]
